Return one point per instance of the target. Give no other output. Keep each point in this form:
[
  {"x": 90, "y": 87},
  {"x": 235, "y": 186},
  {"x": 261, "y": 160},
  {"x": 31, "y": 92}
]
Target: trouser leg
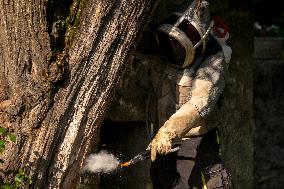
[
  {"x": 183, "y": 170},
  {"x": 172, "y": 171},
  {"x": 163, "y": 172},
  {"x": 216, "y": 176}
]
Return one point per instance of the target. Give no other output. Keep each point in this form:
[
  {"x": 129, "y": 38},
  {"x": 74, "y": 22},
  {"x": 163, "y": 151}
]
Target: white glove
[{"x": 162, "y": 143}]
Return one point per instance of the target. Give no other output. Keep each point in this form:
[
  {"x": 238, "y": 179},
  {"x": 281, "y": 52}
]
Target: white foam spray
[{"x": 102, "y": 162}]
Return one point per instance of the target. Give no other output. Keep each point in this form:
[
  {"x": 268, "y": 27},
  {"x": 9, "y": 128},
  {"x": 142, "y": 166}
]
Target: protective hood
[{"x": 183, "y": 36}]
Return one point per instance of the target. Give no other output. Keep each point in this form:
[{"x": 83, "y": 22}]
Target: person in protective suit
[{"x": 185, "y": 98}]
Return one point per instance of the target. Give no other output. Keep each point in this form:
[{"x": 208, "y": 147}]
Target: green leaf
[
  {"x": 2, "y": 130},
  {"x": 12, "y": 137},
  {"x": 18, "y": 178},
  {"x": 2, "y": 142},
  {"x": 2, "y": 149},
  {"x": 21, "y": 172},
  {"x": 7, "y": 186},
  {"x": 2, "y": 146}
]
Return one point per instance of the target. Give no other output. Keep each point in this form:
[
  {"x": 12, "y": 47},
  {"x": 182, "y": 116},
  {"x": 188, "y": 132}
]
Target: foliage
[
  {"x": 4, "y": 134},
  {"x": 20, "y": 178}
]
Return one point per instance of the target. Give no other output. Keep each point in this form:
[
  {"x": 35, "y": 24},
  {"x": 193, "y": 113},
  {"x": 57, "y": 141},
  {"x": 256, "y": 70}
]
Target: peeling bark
[{"x": 57, "y": 76}]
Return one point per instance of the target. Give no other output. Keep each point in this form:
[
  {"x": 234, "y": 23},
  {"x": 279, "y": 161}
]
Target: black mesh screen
[
  {"x": 192, "y": 33},
  {"x": 171, "y": 49}
]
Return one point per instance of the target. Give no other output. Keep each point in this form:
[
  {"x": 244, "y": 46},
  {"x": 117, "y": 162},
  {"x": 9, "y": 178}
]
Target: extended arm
[{"x": 208, "y": 84}]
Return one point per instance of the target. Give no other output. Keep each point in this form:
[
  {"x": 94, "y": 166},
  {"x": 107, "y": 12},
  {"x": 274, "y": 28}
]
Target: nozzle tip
[{"x": 126, "y": 164}]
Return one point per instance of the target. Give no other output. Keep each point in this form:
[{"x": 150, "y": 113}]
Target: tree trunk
[{"x": 60, "y": 63}]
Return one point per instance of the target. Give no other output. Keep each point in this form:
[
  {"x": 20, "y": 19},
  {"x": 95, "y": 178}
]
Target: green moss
[
  {"x": 73, "y": 21},
  {"x": 56, "y": 68}
]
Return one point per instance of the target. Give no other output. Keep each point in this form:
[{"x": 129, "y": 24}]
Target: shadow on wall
[{"x": 268, "y": 113}]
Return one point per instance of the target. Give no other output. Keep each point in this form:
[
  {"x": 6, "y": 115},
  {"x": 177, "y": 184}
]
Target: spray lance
[
  {"x": 143, "y": 156},
  {"x": 105, "y": 162}
]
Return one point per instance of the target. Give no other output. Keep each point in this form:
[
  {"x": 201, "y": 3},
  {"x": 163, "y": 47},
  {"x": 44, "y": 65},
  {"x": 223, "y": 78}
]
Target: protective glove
[
  {"x": 162, "y": 143},
  {"x": 175, "y": 128}
]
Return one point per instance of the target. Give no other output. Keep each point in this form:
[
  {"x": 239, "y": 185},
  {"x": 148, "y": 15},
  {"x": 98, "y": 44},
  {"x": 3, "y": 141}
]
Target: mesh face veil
[{"x": 183, "y": 36}]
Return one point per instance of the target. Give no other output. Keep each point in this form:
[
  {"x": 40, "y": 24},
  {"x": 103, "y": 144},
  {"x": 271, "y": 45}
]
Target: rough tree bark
[{"x": 60, "y": 63}]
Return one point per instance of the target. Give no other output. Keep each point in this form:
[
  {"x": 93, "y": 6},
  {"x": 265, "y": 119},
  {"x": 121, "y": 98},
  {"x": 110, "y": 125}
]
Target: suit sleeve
[{"x": 208, "y": 84}]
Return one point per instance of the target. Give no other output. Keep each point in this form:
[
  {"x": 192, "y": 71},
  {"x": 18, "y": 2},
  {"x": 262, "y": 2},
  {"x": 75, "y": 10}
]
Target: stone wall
[{"x": 269, "y": 120}]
